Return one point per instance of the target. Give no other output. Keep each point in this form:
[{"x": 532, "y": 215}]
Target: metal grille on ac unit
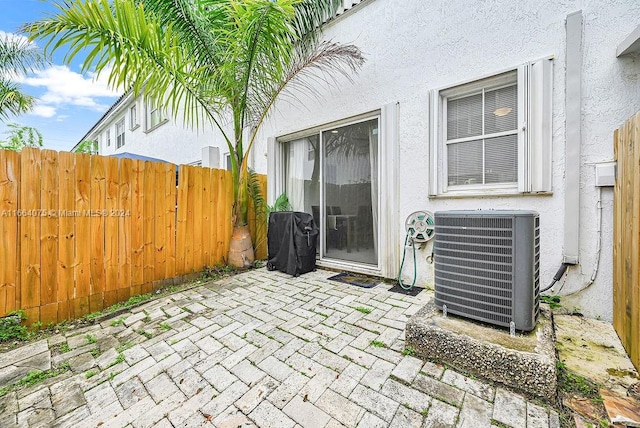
[{"x": 487, "y": 266}]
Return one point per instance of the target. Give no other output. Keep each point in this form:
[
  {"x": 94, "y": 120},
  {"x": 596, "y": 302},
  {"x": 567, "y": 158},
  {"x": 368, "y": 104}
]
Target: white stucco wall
[
  {"x": 413, "y": 46},
  {"x": 172, "y": 141}
]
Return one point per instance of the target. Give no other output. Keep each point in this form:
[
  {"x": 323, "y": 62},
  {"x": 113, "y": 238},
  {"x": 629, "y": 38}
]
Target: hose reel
[{"x": 420, "y": 228}]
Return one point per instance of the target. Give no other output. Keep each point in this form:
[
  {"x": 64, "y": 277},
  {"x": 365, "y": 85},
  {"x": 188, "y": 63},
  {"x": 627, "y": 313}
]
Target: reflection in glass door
[
  {"x": 350, "y": 190},
  {"x": 337, "y": 182}
]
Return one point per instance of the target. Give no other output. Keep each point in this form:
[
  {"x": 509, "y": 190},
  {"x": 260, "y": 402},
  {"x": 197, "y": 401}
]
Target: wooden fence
[
  {"x": 626, "y": 238},
  {"x": 80, "y": 233}
]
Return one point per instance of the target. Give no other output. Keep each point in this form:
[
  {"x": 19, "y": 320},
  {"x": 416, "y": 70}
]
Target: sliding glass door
[{"x": 333, "y": 174}]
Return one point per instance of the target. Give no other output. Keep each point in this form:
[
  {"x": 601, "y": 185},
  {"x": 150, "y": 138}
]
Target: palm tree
[
  {"x": 222, "y": 60},
  {"x": 17, "y": 57}
]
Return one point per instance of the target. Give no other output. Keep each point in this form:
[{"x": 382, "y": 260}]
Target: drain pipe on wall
[{"x": 573, "y": 135}]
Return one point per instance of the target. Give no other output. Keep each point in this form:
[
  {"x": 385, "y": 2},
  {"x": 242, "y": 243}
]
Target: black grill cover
[{"x": 292, "y": 238}]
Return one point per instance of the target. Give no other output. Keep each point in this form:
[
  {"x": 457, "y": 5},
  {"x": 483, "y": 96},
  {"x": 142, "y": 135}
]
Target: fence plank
[
  {"x": 206, "y": 217},
  {"x": 66, "y": 232},
  {"x": 221, "y": 211},
  {"x": 617, "y": 225},
  {"x": 628, "y": 238},
  {"x": 170, "y": 218},
  {"x": 9, "y": 190},
  {"x": 227, "y": 203},
  {"x": 137, "y": 224},
  {"x": 111, "y": 231},
  {"x": 29, "y": 220},
  {"x": 159, "y": 222},
  {"x": 634, "y": 288},
  {"x": 197, "y": 193},
  {"x": 216, "y": 214},
  {"x": 49, "y": 234},
  {"x": 149, "y": 217},
  {"x": 181, "y": 234},
  {"x": 124, "y": 228},
  {"x": 83, "y": 235},
  {"x": 98, "y": 219},
  {"x": 189, "y": 260}
]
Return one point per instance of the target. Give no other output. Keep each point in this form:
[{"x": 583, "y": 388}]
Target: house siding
[
  {"x": 171, "y": 141},
  {"x": 413, "y": 46}
]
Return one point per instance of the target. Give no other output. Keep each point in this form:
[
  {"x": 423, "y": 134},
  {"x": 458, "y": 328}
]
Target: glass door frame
[{"x": 334, "y": 262}]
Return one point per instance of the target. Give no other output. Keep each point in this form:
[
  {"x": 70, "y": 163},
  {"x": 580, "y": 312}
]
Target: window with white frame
[
  {"x": 107, "y": 138},
  {"x": 120, "y": 133},
  {"x": 493, "y": 135},
  {"x": 227, "y": 162},
  {"x": 154, "y": 115},
  {"x": 133, "y": 117}
]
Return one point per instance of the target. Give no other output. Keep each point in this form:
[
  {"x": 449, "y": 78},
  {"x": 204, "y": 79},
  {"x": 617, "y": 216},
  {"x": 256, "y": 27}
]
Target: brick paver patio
[{"x": 257, "y": 349}]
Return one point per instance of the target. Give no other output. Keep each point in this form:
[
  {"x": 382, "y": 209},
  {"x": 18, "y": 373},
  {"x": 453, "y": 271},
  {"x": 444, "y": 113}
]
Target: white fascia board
[{"x": 630, "y": 44}]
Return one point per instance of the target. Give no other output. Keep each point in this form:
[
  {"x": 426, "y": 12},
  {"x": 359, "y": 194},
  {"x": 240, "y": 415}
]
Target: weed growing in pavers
[
  {"x": 91, "y": 338},
  {"x": 363, "y": 309},
  {"x": 119, "y": 359},
  {"x": 348, "y": 358},
  {"x": 424, "y": 412},
  {"x": 35, "y": 376},
  {"x": 499, "y": 424},
  {"x": 271, "y": 337},
  {"x": 378, "y": 344},
  {"x": 409, "y": 351},
  {"x": 124, "y": 346},
  {"x": 406, "y": 405},
  {"x": 115, "y": 323},
  {"x": 146, "y": 334},
  {"x": 95, "y": 352},
  {"x": 112, "y": 375},
  {"x": 165, "y": 326},
  {"x": 64, "y": 347},
  {"x": 11, "y": 326},
  {"x": 37, "y": 325},
  {"x": 90, "y": 374},
  {"x": 93, "y": 315}
]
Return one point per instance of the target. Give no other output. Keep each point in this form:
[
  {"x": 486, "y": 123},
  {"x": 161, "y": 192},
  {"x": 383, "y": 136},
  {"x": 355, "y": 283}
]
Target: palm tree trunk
[{"x": 241, "y": 254}]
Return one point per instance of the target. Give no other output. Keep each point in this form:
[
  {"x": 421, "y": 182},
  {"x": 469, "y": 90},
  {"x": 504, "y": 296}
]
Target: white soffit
[{"x": 630, "y": 44}]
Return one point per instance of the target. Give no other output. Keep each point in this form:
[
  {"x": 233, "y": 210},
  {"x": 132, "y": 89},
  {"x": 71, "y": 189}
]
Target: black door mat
[
  {"x": 357, "y": 280},
  {"x": 413, "y": 292}
]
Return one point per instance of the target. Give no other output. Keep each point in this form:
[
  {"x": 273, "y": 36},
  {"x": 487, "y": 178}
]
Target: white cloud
[
  {"x": 43, "y": 111},
  {"x": 64, "y": 87}
]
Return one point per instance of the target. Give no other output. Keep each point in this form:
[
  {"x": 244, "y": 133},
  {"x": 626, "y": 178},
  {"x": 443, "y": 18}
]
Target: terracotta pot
[{"x": 241, "y": 253}]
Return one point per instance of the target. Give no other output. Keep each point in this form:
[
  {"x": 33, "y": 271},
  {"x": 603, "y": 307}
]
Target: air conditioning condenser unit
[{"x": 487, "y": 266}]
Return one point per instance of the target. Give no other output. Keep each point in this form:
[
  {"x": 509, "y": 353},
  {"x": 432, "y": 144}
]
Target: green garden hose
[{"x": 415, "y": 270}]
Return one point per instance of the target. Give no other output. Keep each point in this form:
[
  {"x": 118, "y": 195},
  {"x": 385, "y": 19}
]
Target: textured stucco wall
[{"x": 413, "y": 46}]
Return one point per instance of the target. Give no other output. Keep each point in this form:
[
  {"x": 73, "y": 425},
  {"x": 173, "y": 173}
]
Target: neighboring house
[
  {"x": 134, "y": 126},
  {"x": 465, "y": 105}
]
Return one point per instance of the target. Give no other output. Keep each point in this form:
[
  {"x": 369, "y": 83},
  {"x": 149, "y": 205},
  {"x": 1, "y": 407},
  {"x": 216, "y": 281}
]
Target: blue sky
[{"x": 69, "y": 104}]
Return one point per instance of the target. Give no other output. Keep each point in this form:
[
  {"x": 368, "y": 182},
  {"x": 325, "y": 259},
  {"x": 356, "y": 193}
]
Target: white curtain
[
  {"x": 297, "y": 157},
  {"x": 373, "y": 159}
]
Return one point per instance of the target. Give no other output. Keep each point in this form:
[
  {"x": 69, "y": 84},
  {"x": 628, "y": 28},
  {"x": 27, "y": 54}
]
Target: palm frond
[
  {"x": 12, "y": 101},
  {"x": 19, "y": 56}
]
